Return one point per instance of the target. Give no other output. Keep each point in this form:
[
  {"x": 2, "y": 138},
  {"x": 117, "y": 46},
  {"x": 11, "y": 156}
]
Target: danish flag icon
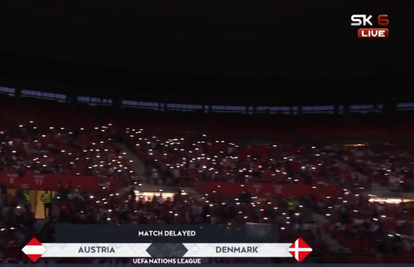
[
  {"x": 34, "y": 249},
  {"x": 300, "y": 250}
]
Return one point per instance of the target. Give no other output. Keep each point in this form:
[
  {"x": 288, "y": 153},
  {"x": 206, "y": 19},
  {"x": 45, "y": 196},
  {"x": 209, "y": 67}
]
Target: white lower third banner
[{"x": 35, "y": 250}]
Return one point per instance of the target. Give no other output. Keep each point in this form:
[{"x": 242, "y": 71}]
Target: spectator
[
  {"x": 46, "y": 199},
  {"x": 27, "y": 200}
]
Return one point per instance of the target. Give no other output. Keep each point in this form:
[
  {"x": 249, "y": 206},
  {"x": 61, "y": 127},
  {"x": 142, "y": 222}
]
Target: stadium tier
[{"x": 342, "y": 184}]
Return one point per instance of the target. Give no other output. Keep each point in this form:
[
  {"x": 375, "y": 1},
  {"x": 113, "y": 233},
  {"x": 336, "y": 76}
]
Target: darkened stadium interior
[{"x": 192, "y": 112}]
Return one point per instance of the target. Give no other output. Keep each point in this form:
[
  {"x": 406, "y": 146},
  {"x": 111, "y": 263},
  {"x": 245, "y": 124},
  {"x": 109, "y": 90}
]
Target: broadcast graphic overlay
[
  {"x": 369, "y": 30},
  {"x": 186, "y": 251}
]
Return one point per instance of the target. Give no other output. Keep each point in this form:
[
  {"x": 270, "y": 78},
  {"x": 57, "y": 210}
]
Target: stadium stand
[
  {"x": 243, "y": 170},
  {"x": 56, "y": 150},
  {"x": 226, "y": 112}
]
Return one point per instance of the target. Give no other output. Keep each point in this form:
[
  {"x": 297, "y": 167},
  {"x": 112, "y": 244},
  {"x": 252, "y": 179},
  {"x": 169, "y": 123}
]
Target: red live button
[{"x": 373, "y": 33}]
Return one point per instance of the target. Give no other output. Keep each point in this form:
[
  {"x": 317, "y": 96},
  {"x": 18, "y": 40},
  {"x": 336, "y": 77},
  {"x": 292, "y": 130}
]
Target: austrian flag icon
[
  {"x": 34, "y": 250},
  {"x": 300, "y": 250}
]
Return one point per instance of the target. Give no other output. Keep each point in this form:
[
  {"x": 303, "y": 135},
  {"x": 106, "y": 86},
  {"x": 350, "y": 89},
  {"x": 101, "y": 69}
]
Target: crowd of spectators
[
  {"x": 365, "y": 224},
  {"x": 389, "y": 165},
  {"x": 58, "y": 150},
  {"x": 354, "y": 219},
  {"x": 203, "y": 158},
  {"x": 107, "y": 207},
  {"x": 365, "y": 227}
]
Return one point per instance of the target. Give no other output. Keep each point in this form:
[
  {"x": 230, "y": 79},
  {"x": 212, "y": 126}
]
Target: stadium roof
[{"x": 217, "y": 52}]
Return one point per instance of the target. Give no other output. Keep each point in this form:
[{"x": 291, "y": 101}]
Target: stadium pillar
[
  {"x": 72, "y": 100},
  {"x": 336, "y": 109},
  {"x": 117, "y": 104},
  {"x": 18, "y": 95},
  {"x": 165, "y": 109},
  {"x": 390, "y": 108},
  {"x": 346, "y": 109}
]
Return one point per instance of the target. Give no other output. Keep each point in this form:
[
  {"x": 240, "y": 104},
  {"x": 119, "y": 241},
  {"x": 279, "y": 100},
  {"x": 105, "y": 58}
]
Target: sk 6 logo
[{"x": 371, "y": 33}]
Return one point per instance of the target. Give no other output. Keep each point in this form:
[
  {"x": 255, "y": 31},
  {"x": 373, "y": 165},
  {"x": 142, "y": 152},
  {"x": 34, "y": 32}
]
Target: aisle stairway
[
  {"x": 334, "y": 245},
  {"x": 133, "y": 161},
  {"x": 139, "y": 168}
]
